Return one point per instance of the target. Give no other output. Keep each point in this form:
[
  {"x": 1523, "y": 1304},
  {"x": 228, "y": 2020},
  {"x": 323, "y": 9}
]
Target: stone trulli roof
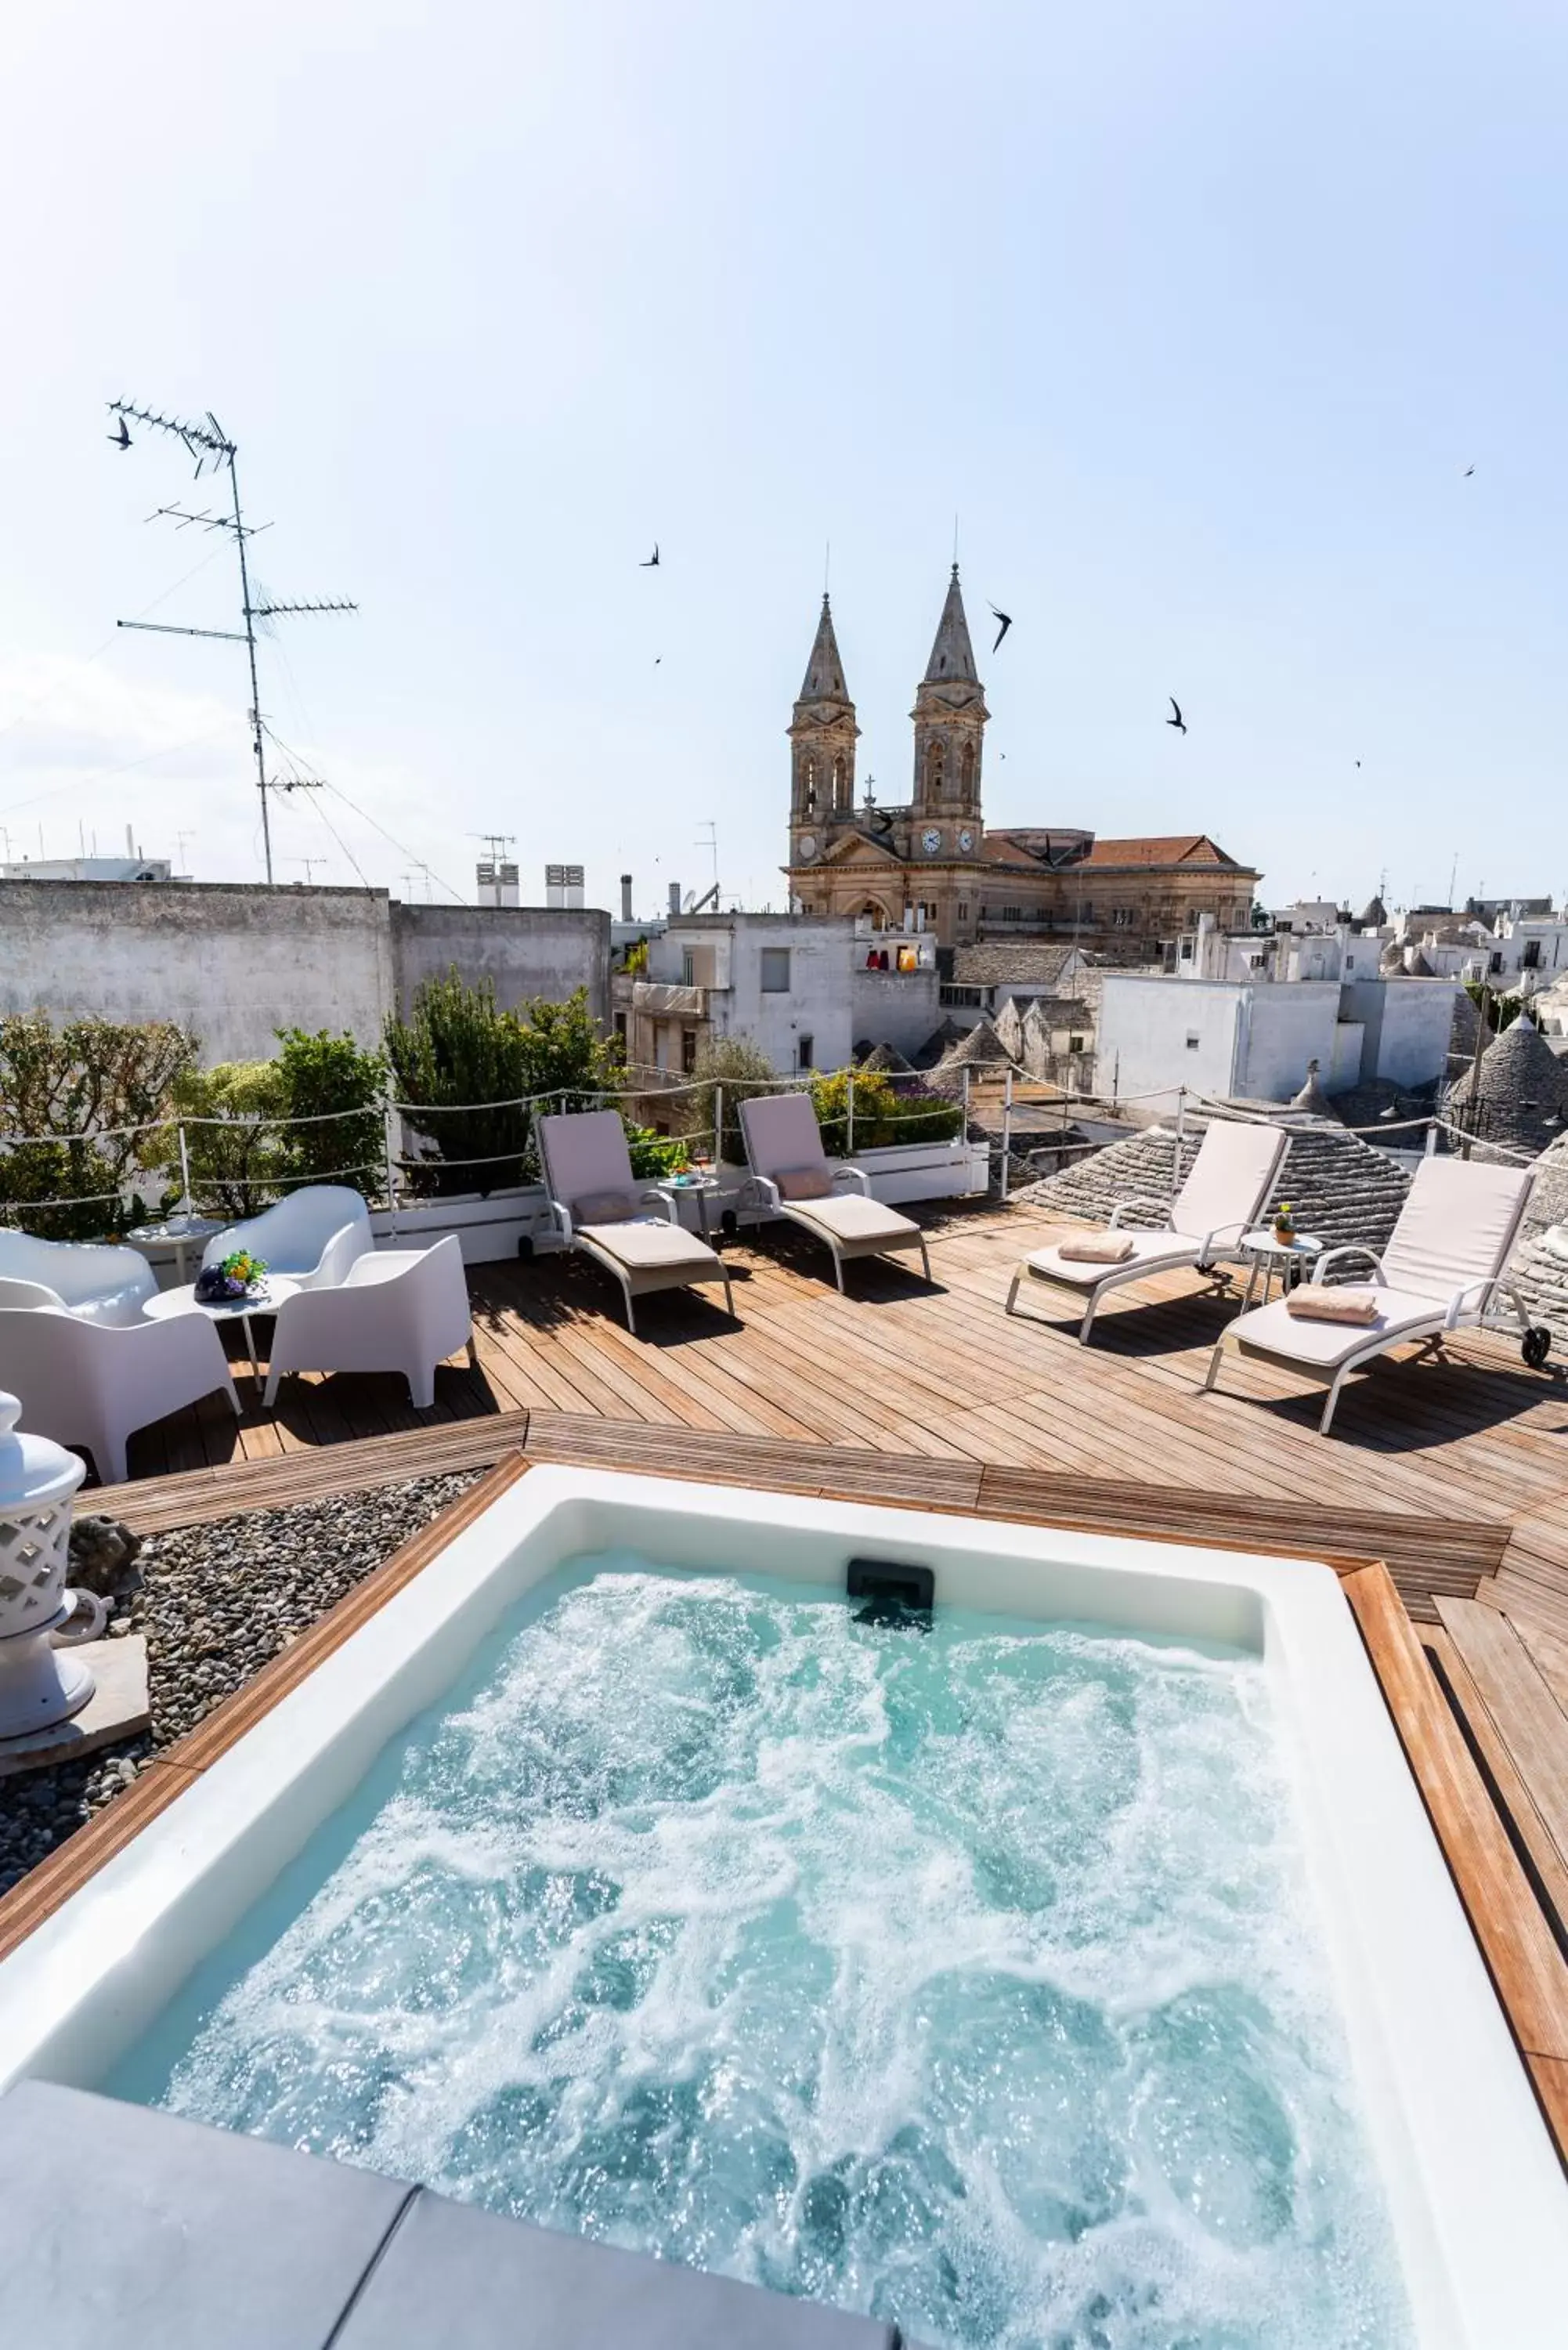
[
  {"x": 981, "y": 1048},
  {"x": 888, "y": 1058},
  {"x": 1540, "y": 1263},
  {"x": 1518, "y": 1094},
  {"x": 1465, "y": 1028},
  {"x": 1010, "y": 1029},
  {"x": 1341, "y": 1189},
  {"x": 938, "y": 1044}
]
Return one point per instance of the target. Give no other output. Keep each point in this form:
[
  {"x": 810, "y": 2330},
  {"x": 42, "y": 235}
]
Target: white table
[
  {"x": 701, "y": 1187},
  {"x": 178, "y": 1232},
  {"x": 265, "y": 1299},
  {"x": 1271, "y": 1254}
]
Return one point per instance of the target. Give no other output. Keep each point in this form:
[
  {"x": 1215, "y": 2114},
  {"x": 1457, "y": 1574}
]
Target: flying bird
[
  {"x": 1469, "y": 471},
  {"x": 1006, "y": 619},
  {"x": 1177, "y": 722},
  {"x": 652, "y": 563},
  {"x": 122, "y": 439}
]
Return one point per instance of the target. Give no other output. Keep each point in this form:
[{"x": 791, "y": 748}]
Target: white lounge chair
[
  {"x": 793, "y": 1176},
  {"x": 292, "y": 1237},
  {"x": 1226, "y": 1190},
  {"x": 394, "y": 1310},
  {"x": 94, "y": 1280},
  {"x": 93, "y": 1384},
  {"x": 1441, "y": 1272},
  {"x": 630, "y": 1228}
]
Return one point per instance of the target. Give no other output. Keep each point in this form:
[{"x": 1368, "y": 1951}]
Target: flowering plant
[
  {"x": 232, "y": 1277},
  {"x": 1284, "y": 1220}
]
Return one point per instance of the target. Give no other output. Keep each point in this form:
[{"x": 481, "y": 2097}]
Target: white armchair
[
  {"x": 292, "y": 1237},
  {"x": 93, "y": 1280},
  {"x": 395, "y": 1310},
  {"x": 92, "y": 1384}
]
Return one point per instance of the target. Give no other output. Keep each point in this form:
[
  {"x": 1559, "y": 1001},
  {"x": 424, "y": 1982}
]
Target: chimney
[
  {"x": 626, "y": 913},
  {"x": 130, "y": 844},
  {"x": 675, "y": 900}
]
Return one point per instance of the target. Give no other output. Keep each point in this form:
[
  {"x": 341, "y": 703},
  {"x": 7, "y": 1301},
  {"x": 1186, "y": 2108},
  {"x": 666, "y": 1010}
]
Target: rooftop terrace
[{"x": 1451, "y": 1473}]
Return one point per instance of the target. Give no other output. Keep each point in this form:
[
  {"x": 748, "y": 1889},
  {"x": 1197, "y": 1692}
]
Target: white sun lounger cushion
[
  {"x": 648, "y": 1244},
  {"x": 851, "y": 1216},
  {"x": 1274, "y": 1329},
  {"x": 1152, "y": 1249}
]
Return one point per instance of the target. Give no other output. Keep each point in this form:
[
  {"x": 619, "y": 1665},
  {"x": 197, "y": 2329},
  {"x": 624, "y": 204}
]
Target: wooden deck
[{"x": 1472, "y": 1452}]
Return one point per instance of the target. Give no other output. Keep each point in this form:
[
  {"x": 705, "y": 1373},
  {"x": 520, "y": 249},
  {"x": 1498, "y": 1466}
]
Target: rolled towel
[
  {"x": 1097, "y": 1248},
  {"x": 1313, "y": 1302}
]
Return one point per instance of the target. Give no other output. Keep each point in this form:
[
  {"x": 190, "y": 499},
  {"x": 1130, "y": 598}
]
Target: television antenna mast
[
  {"x": 211, "y": 448},
  {"x": 498, "y": 843}
]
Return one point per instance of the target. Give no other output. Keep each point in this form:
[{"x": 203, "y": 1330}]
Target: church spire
[
  {"x": 824, "y": 680},
  {"x": 952, "y": 655}
]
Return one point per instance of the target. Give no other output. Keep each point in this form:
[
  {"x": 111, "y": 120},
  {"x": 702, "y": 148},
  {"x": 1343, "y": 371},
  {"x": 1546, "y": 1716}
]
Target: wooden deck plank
[
  {"x": 1515, "y": 1938},
  {"x": 1513, "y": 1790},
  {"x": 1524, "y": 1715}
]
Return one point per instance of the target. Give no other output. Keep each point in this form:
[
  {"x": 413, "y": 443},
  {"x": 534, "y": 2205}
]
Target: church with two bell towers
[{"x": 929, "y": 864}]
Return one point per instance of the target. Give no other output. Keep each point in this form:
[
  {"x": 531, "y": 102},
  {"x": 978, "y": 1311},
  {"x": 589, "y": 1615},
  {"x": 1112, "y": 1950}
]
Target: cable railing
[{"x": 398, "y": 1175}]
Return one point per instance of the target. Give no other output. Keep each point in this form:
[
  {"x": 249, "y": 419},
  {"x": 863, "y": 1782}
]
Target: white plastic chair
[
  {"x": 92, "y": 1384},
  {"x": 1226, "y": 1190},
  {"x": 395, "y": 1310},
  {"x": 94, "y": 1280},
  {"x": 783, "y": 1138},
  {"x": 1441, "y": 1272},
  {"x": 291, "y": 1238}
]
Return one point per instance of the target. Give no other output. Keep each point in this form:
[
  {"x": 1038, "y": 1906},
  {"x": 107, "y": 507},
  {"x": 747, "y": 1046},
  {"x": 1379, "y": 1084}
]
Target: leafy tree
[
  {"x": 741, "y": 1069},
  {"x": 460, "y": 1065},
  {"x": 66, "y": 1094},
  {"x": 236, "y": 1149},
  {"x": 321, "y": 1073}
]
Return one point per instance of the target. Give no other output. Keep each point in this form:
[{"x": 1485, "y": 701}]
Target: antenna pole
[{"x": 251, "y": 653}]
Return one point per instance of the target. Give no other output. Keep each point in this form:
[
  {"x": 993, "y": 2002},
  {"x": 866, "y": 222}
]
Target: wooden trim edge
[{"x": 1516, "y": 1943}]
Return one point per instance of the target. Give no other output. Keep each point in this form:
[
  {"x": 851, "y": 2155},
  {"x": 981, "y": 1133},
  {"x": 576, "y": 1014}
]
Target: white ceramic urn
[{"x": 40, "y": 1684}]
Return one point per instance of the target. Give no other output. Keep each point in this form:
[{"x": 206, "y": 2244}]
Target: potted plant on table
[
  {"x": 234, "y": 1277},
  {"x": 1285, "y": 1224}
]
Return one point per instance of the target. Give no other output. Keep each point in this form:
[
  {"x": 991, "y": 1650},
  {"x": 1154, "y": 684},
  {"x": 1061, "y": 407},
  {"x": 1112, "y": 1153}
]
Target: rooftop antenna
[
  {"x": 1453, "y": 877},
  {"x": 310, "y": 864},
  {"x": 826, "y": 563},
  {"x": 498, "y": 843},
  {"x": 209, "y": 446},
  {"x": 179, "y": 840}
]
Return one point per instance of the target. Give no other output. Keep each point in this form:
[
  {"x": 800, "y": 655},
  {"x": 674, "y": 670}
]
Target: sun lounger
[
  {"x": 793, "y": 1176},
  {"x": 1237, "y": 1166},
  {"x": 1441, "y": 1271},
  {"x": 598, "y": 1206}
]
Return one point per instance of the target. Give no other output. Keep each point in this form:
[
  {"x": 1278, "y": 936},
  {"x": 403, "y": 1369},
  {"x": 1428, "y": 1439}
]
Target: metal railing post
[
  {"x": 966, "y": 1075},
  {"x": 718, "y": 1127},
  {"x": 185, "y": 1173},
  {"x": 1180, "y": 1117},
  {"x": 849, "y": 1116},
  {"x": 1006, "y": 1128},
  {"x": 388, "y": 1117},
  {"x": 1430, "y": 1145}
]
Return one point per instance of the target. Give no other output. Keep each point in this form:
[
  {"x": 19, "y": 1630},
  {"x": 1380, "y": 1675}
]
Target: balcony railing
[{"x": 659, "y": 996}]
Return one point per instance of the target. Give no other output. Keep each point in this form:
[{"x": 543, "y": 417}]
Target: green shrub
[
  {"x": 323, "y": 1073},
  {"x": 458, "y": 1054},
  {"x": 237, "y": 1151},
  {"x": 882, "y": 1114},
  {"x": 654, "y": 1156},
  {"x": 741, "y": 1069}
]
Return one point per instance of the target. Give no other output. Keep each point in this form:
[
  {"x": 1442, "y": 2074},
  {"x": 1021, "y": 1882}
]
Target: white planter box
[
  {"x": 486, "y": 1229},
  {"x": 926, "y": 1170}
]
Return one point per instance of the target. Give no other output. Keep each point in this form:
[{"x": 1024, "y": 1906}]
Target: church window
[
  {"x": 934, "y": 772},
  {"x": 840, "y": 798},
  {"x": 1012, "y": 913},
  {"x": 968, "y": 770},
  {"x": 811, "y": 787}
]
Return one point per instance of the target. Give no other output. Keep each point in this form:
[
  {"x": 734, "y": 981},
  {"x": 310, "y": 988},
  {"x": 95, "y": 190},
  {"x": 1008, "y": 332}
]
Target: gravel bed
[{"x": 216, "y": 1602}]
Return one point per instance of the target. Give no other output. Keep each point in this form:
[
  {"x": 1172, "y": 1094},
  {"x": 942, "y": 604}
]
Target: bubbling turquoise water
[{"x": 971, "y": 1979}]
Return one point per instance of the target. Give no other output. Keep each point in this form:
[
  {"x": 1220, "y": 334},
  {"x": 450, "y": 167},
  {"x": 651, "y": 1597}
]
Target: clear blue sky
[{"x": 1195, "y": 316}]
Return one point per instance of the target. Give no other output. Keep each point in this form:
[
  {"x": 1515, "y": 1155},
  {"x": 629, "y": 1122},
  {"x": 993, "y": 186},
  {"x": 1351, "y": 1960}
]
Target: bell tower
[
  {"x": 823, "y": 734},
  {"x": 950, "y": 715}
]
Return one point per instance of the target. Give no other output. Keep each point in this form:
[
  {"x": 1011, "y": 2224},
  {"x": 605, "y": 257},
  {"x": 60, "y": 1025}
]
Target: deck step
[{"x": 1518, "y": 1729}]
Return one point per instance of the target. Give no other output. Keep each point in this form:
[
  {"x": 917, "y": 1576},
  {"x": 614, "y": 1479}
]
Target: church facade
[{"x": 932, "y": 864}]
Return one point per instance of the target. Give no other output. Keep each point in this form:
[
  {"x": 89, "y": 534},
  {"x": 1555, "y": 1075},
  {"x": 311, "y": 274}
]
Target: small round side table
[{"x": 1270, "y": 1255}]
